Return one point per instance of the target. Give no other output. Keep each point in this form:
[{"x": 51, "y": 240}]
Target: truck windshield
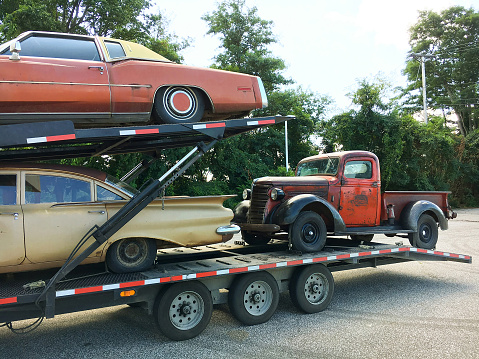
[{"x": 324, "y": 166}]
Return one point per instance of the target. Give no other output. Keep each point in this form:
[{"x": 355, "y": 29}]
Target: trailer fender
[
  {"x": 288, "y": 211},
  {"x": 413, "y": 210}
]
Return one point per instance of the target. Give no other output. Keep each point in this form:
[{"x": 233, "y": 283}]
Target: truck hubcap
[{"x": 310, "y": 233}]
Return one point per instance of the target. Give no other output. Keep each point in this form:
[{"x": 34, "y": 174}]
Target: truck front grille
[{"x": 259, "y": 197}]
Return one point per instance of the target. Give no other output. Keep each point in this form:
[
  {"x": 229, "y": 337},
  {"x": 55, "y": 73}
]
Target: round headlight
[
  {"x": 276, "y": 194},
  {"x": 247, "y": 194}
]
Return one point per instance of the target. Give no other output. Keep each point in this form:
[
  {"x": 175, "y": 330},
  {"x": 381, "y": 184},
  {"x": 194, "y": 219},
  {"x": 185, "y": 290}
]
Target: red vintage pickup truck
[{"x": 338, "y": 193}]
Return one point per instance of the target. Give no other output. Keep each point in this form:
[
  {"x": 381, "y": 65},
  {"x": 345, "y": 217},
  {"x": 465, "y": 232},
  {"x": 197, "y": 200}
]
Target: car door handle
[
  {"x": 99, "y": 68},
  {"x": 101, "y": 212},
  {"x": 374, "y": 184},
  {"x": 14, "y": 214}
]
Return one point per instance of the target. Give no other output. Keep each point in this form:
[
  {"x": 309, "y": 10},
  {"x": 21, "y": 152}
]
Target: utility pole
[
  {"x": 286, "y": 143},
  {"x": 422, "y": 58}
]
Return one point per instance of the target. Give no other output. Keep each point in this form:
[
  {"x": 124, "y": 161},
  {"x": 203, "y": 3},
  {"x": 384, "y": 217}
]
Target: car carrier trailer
[{"x": 180, "y": 290}]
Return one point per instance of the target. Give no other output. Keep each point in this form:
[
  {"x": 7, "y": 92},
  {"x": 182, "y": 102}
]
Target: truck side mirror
[{"x": 15, "y": 48}]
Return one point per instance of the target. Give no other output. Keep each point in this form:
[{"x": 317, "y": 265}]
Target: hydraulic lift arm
[{"x": 102, "y": 233}]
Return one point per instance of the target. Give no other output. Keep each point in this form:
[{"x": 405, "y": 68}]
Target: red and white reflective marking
[
  {"x": 33, "y": 140},
  {"x": 209, "y": 125},
  {"x": 144, "y": 131},
  {"x": 261, "y": 122},
  {"x": 253, "y": 268}
]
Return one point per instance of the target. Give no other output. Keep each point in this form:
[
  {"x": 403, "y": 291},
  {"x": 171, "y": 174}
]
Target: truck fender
[
  {"x": 413, "y": 210},
  {"x": 287, "y": 212},
  {"x": 241, "y": 212}
]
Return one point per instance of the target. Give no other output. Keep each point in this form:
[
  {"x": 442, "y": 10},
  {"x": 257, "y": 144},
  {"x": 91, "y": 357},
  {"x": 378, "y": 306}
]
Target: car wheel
[
  {"x": 177, "y": 105},
  {"x": 427, "y": 233},
  {"x": 131, "y": 255},
  {"x": 308, "y": 232},
  {"x": 254, "y": 239},
  {"x": 183, "y": 310},
  {"x": 253, "y": 298},
  {"x": 311, "y": 288}
]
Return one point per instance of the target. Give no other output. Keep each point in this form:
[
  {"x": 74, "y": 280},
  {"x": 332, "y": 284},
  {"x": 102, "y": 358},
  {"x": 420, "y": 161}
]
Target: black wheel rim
[
  {"x": 310, "y": 233},
  {"x": 132, "y": 252},
  {"x": 425, "y": 233}
]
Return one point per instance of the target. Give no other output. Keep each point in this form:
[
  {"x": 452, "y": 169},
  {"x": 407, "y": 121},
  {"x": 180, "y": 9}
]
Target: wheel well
[
  {"x": 160, "y": 244},
  {"x": 323, "y": 211}
]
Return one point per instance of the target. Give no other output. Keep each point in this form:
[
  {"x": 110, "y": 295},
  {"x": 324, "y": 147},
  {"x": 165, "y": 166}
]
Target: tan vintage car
[{"x": 45, "y": 210}]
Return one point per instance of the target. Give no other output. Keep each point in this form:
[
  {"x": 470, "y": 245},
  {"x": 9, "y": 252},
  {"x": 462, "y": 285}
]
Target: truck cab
[{"x": 338, "y": 193}]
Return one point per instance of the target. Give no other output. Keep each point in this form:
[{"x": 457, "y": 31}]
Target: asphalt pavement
[{"x": 407, "y": 310}]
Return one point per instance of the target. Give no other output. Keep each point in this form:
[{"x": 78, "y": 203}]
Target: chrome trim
[
  {"x": 231, "y": 229},
  {"x": 264, "y": 98},
  {"x": 70, "y": 83}
]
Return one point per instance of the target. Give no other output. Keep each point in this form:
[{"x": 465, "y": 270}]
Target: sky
[{"x": 327, "y": 45}]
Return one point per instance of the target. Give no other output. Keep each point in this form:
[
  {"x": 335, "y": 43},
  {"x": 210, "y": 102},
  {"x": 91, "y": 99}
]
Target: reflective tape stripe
[{"x": 32, "y": 140}]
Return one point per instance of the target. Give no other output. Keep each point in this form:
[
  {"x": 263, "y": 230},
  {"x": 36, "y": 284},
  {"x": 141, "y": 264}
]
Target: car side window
[
  {"x": 8, "y": 190},
  {"x": 55, "y": 189},
  {"x": 114, "y": 49},
  {"x": 102, "y": 194},
  {"x": 358, "y": 169},
  {"x": 59, "y": 47}
]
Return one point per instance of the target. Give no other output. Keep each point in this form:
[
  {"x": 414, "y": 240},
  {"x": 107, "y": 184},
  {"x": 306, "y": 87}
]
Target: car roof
[
  {"x": 132, "y": 49},
  {"x": 76, "y": 170}
]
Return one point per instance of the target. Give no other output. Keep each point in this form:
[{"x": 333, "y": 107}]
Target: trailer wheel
[
  {"x": 178, "y": 104},
  {"x": 183, "y": 310},
  {"x": 308, "y": 232},
  {"x": 362, "y": 237},
  {"x": 253, "y": 298},
  {"x": 131, "y": 255},
  {"x": 254, "y": 239},
  {"x": 311, "y": 288},
  {"x": 427, "y": 233}
]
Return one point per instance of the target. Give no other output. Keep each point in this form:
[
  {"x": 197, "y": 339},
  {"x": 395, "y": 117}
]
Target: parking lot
[{"x": 407, "y": 310}]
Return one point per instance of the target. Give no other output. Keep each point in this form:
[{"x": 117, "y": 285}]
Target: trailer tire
[
  {"x": 254, "y": 239},
  {"x": 190, "y": 108},
  {"x": 131, "y": 255},
  {"x": 311, "y": 288},
  {"x": 253, "y": 298},
  {"x": 183, "y": 310},
  {"x": 427, "y": 233},
  {"x": 308, "y": 232}
]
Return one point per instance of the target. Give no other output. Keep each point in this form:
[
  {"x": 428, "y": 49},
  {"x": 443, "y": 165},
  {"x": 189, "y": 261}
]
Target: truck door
[
  {"x": 11, "y": 221},
  {"x": 359, "y": 193}
]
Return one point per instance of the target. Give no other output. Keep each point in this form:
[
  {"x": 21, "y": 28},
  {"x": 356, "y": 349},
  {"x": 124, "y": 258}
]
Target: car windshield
[
  {"x": 121, "y": 186},
  {"x": 324, "y": 166}
]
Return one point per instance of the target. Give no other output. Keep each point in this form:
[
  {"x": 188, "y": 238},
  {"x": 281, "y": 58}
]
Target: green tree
[
  {"x": 244, "y": 42},
  {"x": 452, "y": 74},
  {"x": 101, "y": 17},
  {"x": 373, "y": 127}
]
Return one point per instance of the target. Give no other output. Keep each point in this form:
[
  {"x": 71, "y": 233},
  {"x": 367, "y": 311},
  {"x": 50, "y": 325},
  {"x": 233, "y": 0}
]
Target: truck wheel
[
  {"x": 308, "y": 232},
  {"x": 253, "y": 298},
  {"x": 362, "y": 237},
  {"x": 311, "y": 288},
  {"x": 177, "y": 105},
  {"x": 183, "y": 310},
  {"x": 254, "y": 239},
  {"x": 427, "y": 233},
  {"x": 131, "y": 255}
]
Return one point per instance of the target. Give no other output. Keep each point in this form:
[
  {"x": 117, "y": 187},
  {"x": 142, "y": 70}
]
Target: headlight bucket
[
  {"x": 276, "y": 194},
  {"x": 247, "y": 194}
]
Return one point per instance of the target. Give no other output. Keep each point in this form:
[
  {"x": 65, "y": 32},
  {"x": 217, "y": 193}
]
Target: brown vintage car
[
  {"x": 45, "y": 210},
  {"x": 96, "y": 81}
]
